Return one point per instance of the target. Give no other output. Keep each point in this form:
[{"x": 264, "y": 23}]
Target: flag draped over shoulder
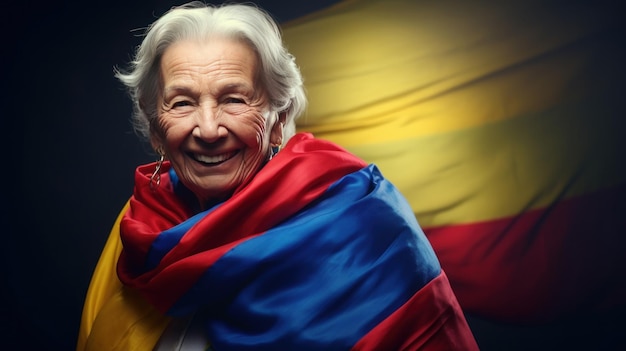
[
  {"x": 319, "y": 251},
  {"x": 503, "y": 125}
]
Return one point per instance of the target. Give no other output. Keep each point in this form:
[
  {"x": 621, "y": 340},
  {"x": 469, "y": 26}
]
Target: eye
[
  {"x": 181, "y": 103},
  {"x": 178, "y": 106},
  {"x": 234, "y": 100}
]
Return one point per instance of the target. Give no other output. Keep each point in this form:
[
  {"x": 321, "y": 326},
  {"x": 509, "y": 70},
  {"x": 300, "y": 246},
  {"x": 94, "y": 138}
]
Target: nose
[{"x": 209, "y": 126}]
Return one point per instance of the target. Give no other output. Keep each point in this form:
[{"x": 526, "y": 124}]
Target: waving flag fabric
[
  {"x": 332, "y": 259},
  {"x": 503, "y": 125}
]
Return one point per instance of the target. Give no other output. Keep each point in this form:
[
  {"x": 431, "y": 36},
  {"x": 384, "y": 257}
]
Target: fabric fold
[{"x": 314, "y": 265}]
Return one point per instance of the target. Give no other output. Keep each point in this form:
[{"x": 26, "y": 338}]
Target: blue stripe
[
  {"x": 322, "y": 279},
  {"x": 169, "y": 238}
]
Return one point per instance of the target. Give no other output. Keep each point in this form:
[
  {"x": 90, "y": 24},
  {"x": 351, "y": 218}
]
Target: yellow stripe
[
  {"x": 114, "y": 317},
  {"x": 385, "y": 70},
  {"x": 484, "y": 101},
  {"x": 502, "y": 169}
]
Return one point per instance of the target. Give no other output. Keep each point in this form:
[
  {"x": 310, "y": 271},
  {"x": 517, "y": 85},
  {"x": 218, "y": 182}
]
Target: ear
[
  {"x": 276, "y": 136},
  {"x": 156, "y": 143}
]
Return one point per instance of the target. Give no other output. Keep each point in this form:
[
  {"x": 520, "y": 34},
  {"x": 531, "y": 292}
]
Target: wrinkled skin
[{"x": 214, "y": 123}]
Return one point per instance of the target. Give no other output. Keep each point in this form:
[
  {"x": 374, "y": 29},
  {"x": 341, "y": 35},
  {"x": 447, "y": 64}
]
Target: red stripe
[
  {"x": 431, "y": 319},
  {"x": 151, "y": 213},
  {"x": 541, "y": 264}
]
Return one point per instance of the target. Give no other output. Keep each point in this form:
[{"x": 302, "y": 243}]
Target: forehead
[{"x": 217, "y": 57}]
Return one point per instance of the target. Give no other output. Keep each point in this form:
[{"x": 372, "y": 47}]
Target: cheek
[
  {"x": 174, "y": 130},
  {"x": 251, "y": 126}
]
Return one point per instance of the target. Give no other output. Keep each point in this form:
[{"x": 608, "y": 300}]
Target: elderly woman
[{"x": 247, "y": 236}]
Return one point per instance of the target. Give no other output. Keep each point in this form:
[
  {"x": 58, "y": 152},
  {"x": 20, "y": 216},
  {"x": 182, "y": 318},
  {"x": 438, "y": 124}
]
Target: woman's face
[{"x": 214, "y": 119}]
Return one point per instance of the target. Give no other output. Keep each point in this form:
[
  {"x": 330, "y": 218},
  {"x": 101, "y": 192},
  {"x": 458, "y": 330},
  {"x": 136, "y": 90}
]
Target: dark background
[{"x": 70, "y": 154}]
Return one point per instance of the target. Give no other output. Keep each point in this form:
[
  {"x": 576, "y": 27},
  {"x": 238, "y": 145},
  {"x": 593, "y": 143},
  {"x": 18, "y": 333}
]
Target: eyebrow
[
  {"x": 177, "y": 89},
  {"x": 237, "y": 86},
  {"x": 227, "y": 88}
]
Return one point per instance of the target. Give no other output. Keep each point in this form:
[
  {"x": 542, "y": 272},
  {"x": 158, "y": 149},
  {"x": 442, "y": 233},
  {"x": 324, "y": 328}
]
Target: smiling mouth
[{"x": 213, "y": 160}]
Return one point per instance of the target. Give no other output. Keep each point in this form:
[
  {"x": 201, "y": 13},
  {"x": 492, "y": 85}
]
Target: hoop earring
[{"x": 155, "y": 179}]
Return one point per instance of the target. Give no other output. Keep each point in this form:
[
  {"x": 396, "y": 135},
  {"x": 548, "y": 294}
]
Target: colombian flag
[
  {"x": 332, "y": 259},
  {"x": 503, "y": 125}
]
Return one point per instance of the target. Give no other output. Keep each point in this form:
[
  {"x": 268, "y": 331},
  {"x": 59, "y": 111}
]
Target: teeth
[{"x": 213, "y": 159}]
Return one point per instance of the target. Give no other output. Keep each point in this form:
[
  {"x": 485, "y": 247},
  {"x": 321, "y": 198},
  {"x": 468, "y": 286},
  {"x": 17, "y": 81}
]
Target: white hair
[{"x": 278, "y": 73}]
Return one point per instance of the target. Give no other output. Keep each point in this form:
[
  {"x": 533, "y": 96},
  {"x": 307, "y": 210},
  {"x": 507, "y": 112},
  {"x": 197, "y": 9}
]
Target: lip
[{"x": 212, "y": 160}]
